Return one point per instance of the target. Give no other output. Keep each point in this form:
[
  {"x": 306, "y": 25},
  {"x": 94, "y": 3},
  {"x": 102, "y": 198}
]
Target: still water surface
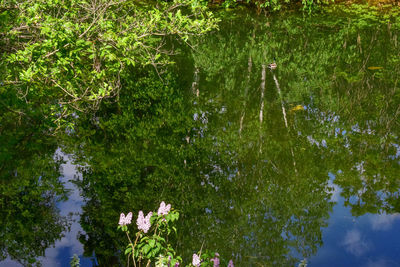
[{"x": 267, "y": 167}]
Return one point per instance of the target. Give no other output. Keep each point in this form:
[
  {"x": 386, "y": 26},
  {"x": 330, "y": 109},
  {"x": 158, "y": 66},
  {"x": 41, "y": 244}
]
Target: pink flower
[
  {"x": 230, "y": 264},
  {"x": 196, "y": 260},
  {"x": 125, "y": 220},
  {"x": 215, "y": 260},
  {"x": 163, "y": 209},
  {"x": 142, "y": 222}
]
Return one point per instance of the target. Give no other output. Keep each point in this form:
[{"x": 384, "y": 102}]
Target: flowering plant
[{"x": 151, "y": 244}]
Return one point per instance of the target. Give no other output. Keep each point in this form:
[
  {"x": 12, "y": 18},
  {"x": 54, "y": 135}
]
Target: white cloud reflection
[
  {"x": 384, "y": 221},
  {"x": 355, "y": 244}
]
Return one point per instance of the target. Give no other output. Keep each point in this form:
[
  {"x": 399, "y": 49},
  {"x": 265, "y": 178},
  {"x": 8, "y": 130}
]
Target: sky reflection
[
  {"x": 67, "y": 246},
  {"x": 368, "y": 240}
]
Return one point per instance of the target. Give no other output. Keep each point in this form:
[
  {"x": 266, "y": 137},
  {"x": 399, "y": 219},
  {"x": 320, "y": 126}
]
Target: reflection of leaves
[
  {"x": 350, "y": 79},
  {"x": 256, "y": 187},
  {"x": 29, "y": 189},
  {"x": 134, "y": 163},
  {"x": 335, "y": 80},
  {"x": 145, "y": 150}
]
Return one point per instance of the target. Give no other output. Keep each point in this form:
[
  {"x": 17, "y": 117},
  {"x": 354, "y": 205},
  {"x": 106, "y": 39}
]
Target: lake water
[{"x": 268, "y": 167}]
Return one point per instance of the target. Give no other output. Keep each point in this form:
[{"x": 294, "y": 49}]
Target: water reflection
[
  {"x": 368, "y": 240},
  {"x": 45, "y": 233},
  {"x": 268, "y": 167},
  {"x": 248, "y": 170},
  {"x": 29, "y": 191},
  {"x": 68, "y": 245}
]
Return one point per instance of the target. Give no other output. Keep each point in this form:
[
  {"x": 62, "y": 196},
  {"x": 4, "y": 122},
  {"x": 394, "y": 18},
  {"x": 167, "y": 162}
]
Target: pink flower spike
[
  {"x": 125, "y": 220},
  {"x": 163, "y": 209},
  {"x": 142, "y": 222},
  {"x": 196, "y": 260},
  {"x": 230, "y": 264}
]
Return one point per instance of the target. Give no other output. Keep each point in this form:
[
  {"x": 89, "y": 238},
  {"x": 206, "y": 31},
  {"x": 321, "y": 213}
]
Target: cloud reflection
[
  {"x": 355, "y": 244},
  {"x": 382, "y": 222}
]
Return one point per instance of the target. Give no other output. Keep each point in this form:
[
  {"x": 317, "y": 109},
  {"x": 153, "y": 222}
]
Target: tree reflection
[
  {"x": 349, "y": 88},
  {"x": 232, "y": 195},
  {"x": 29, "y": 190},
  {"x": 246, "y": 166}
]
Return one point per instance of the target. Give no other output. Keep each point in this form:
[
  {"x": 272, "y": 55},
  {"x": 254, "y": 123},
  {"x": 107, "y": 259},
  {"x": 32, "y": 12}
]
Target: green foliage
[
  {"x": 363, "y": 16},
  {"x": 154, "y": 246},
  {"x": 208, "y": 138},
  {"x": 276, "y": 5},
  {"x": 68, "y": 56}
]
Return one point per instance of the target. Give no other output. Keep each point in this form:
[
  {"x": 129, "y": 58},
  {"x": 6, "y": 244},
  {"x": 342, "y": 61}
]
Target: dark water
[{"x": 267, "y": 167}]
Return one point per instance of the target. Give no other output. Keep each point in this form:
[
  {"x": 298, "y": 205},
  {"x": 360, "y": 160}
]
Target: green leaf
[
  {"x": 152, "y": 242},
  {"x": 128, "y": 250}
]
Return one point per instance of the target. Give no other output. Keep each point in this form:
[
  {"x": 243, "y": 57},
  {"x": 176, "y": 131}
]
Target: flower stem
[{"x": 133, "y": 245}]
